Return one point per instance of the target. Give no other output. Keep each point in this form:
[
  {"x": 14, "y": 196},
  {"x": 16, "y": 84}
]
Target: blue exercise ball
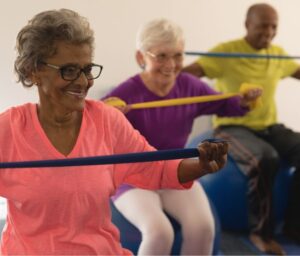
[{"x": 227, "y": 189}]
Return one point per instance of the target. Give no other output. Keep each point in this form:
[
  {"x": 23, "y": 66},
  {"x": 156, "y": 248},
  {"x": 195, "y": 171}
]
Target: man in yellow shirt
[{"x": 257, "y": 140}]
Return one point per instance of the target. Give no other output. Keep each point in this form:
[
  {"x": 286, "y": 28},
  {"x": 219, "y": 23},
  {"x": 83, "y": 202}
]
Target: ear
[
  {"x": 139, "y": 56},
  {"x": 35, "y": 78},
  {"x": 247, "y": 24}
]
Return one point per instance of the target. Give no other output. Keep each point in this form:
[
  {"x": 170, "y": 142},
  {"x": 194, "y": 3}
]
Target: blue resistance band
[
  {"x": 242, "y": 55},
  {"x": 111, "y": 159}
]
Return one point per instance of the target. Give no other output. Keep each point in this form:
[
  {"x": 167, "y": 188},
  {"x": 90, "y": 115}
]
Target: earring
[
  {"x": 142, "y": 65},
  {"x": 36, "y": 83}
]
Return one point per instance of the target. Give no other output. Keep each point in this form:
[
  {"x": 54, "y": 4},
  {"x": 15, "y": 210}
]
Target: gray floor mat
[{"x": 234, "y": 244}]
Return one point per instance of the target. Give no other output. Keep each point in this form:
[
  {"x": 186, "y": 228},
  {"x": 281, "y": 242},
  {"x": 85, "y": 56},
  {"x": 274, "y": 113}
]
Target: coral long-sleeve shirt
[{"x": 66, "y": 210}]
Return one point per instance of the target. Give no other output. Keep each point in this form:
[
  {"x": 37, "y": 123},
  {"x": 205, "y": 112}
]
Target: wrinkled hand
[
  {"x": 213, "y": 155},
  {"x": 250, "y": 96}
]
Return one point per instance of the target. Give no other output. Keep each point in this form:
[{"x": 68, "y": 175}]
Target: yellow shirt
[{"x": 230, "y": 73}]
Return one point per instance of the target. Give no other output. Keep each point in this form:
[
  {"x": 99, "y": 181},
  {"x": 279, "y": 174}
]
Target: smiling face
[
  {"x": 261, "y": 25},
  {"x": 56, "y": 94},
  {"x": 162, "y": 63}
]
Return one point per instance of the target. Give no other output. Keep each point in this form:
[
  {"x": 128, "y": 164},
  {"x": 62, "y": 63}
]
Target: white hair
[{"x": 156, "y": 32}]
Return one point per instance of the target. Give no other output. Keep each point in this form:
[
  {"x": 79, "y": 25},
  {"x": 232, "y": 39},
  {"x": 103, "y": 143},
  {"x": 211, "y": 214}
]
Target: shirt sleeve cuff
[{"x": 171, "y": 175}]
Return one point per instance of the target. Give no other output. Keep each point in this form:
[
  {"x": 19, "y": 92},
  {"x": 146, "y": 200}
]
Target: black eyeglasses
[{"x": 73, "y": 72}]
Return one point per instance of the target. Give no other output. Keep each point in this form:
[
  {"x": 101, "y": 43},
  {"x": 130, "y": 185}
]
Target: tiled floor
[{"x": 234, "y": 243}]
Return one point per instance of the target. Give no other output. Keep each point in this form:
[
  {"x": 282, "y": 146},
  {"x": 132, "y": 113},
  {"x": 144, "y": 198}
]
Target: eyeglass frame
[
  {"x": 161, "y": 61},
  {"x": 82, "y": 70}
]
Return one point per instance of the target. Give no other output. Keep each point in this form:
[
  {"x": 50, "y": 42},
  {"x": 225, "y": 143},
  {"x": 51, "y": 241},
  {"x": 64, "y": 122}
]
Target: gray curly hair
[{"x": 38, "y": 39}]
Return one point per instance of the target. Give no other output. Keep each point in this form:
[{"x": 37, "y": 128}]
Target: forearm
[
  {"x": 297, "y": 74},
  {"x": 231, "y": 107},
  {"x": 189, "y": 170},
  {"x": 212, "y": 158}
]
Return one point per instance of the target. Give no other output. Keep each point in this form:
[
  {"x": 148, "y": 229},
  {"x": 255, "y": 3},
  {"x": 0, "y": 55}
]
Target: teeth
[{"x": 78, "y": 94}]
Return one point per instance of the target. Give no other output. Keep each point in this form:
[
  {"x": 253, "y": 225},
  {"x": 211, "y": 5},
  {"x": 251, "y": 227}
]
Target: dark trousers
[{"x": 258, "y": 153}]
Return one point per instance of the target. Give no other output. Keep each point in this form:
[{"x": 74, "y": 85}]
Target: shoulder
[
  {"x": 189, "y": 79},
  {"x": 17, "y": 113},
  {"x": 15, "y": 118},
  {"x": 97, "y": 106},
  {"x": 105, "y": 118},
  {"x": 131, "y": 91},
  {"x": 192, "y": 85},
  {"x": 126, "y": 87},
  {"x": 5, "y": 120},
  {"x": 277, "y": 49},
  {"x": 228, "y": 45},
  {"x": 100, "y": 111}
]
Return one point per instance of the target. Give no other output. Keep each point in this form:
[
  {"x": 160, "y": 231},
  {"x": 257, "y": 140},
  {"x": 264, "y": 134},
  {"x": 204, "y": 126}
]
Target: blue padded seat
[{"x": 227, "y": 190}]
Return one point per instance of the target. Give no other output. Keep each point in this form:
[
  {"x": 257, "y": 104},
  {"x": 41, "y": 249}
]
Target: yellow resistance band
[{"x": 117, "y": 102}]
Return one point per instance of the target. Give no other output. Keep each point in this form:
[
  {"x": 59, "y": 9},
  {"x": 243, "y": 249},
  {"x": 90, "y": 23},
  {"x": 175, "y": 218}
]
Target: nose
[
  {"x": 270, "y": 30},
  {"x": 82, "y": 79},
  {"x": 170, "y": 61}
]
